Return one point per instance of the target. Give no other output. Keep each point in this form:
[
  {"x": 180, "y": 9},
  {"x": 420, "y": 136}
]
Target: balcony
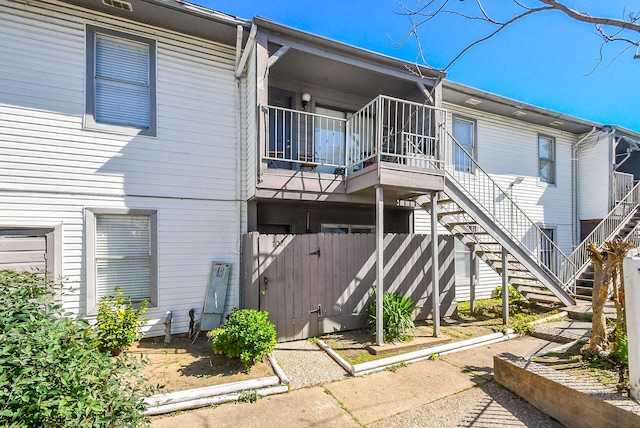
[{"x": 389, "y": 142}]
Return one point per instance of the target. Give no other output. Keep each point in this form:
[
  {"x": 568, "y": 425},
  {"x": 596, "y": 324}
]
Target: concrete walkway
[{"x": 452, "y": 390}]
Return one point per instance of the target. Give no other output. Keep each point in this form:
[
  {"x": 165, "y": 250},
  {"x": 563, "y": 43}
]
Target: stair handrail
[
  {"x": 504, "y": 212},
  {"x": 607, "y": 228}
]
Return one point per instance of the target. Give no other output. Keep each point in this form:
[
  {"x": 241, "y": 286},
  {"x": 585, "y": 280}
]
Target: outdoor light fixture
[
  {"x": 306, "y": 97},
  {"x": 518, "y": 180}
]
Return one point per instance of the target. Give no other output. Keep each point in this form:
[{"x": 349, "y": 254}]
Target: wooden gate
[{"x": 318, "y": 283}]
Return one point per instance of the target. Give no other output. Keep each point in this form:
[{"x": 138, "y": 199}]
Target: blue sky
[{"x": 544, "y": 60}]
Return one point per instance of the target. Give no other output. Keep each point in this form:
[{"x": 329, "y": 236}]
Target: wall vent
[{"x": 119, "y": 4}]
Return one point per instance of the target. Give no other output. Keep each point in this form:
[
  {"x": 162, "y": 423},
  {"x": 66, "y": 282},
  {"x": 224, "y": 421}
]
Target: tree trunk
[{"x": 598, "y": 338}]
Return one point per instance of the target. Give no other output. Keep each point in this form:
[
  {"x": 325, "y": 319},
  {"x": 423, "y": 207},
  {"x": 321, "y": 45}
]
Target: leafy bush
[
  {"x": 621, "y": 348},
  {"x": 514, "y": 294},
  {"x": 118, "y": 324},
  {"x": 51, "y": 374},
  {"x": 396, "y": 314},
  {"x": 520, "y": 323},
  {"x": 247, "y": 334}
]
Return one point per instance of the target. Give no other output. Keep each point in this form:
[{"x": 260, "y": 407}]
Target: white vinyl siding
[
  {"x": 594, "y": 177},
  {"x": 253, "y": 150},
  {"x": 52, "y": 168},
  {"x": 123, "y": 256}
]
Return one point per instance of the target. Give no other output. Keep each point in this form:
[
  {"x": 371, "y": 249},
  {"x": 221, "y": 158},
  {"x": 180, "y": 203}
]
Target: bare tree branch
[
  {"x": 610, "y": 30},
  {"x": 578, "y": 16}
]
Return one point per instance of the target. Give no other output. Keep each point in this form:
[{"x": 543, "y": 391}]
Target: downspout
[
  {"x": 240, "y": 62},
  {"x": 574, "y": 187}
]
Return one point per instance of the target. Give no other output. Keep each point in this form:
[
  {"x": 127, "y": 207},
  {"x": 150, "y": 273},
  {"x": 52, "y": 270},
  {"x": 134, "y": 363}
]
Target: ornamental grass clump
[
  {"x": 118, "y": 323},
  {"x": 397, "y": 311},
  {"x": 51, "y": 374},
  {"x": 247, "y": 334}
]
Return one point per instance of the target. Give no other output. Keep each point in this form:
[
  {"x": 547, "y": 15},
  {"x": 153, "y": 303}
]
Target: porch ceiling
[{"x": 307, "y": 68}]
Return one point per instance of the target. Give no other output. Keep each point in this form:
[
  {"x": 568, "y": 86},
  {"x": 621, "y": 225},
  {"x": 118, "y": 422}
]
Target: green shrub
[
  {"x": 621, "y": 348},
  {"x": 247, "y": 334},
  {"x": 118, "y": 323},
  {"x": 520, "y": 323},
  {"x": 514, "y": 294},
  {"x": 51, "y": 374},
  {"x": 396, "y": 314}
]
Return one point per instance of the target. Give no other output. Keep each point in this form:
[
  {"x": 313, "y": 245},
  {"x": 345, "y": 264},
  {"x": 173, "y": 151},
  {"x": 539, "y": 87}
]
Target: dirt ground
[{"x": 182, "y": 365}]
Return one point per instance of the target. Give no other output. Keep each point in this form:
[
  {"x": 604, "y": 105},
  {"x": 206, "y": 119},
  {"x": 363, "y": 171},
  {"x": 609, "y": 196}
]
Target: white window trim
[
  {"x": 89, "y": 117},
  {"x": 90, "y": 253}
]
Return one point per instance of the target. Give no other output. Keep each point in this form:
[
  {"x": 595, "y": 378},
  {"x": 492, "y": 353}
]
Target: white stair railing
[
  {"x": 606, "y": 229},
  {"x": 494, "y": 202}
]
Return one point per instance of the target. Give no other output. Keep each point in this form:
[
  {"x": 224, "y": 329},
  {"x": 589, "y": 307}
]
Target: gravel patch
[
  {"x": 485, "y": 406},
  {"x": 305, "y": 364}
]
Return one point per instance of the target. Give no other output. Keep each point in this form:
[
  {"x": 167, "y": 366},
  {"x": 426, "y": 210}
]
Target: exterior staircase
[
  {"x": 485, "y": 218},
  {"x": 474, "y": 208},
  {"x": 622, "y": 222}
]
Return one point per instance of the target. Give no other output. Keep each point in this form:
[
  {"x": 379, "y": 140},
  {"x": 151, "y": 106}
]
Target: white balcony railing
[
  {"x": 299, "y": 139},
  {"x": 622, "y": 185},
  {"x": 393, "y": 130},
  {"x": 385, "y": 130}
]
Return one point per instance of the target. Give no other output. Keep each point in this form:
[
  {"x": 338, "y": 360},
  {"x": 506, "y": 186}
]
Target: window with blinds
[
  {"x": 120, "y": 81},
  {"x": 123, "y": 255}
]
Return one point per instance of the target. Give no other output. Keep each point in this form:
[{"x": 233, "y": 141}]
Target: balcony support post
[
  {"x": 379, "y": 264},
  {"x": 435, "y": 264}
]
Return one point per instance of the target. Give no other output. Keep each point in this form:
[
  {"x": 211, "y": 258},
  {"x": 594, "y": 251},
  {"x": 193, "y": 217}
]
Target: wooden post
[
  {"x": 505, "y": 287},
  {"x": 435, "y": 264},
  {"x": 473, "y": 276},
  {"x": 379, "y": 264}
]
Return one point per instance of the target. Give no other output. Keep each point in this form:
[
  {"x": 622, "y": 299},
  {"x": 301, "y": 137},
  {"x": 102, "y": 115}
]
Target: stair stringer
[{"x": 512, "y": 247}]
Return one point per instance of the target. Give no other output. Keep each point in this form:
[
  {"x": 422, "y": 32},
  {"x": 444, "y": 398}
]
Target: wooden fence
[{"x": 319, "y": 283}]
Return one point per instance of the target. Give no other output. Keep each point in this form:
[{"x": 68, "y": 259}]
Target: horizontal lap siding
[
  {"x": 594, "y": 172},
  {"x": 41, "y": 111},
  {"x": 51, "y": 169},
  {"x": 252, "y": 135},
  {"x": 188, "y": 241}
]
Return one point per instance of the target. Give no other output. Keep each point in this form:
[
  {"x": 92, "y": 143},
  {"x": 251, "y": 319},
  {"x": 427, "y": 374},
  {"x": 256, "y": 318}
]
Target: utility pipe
[
  {"x": 168, "y": 316},
  {"x": 240, "y": 65}
]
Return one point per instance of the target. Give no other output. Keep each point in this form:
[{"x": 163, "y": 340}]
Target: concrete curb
[
  {"x": 563, "y": 396},
  {"x": 562, "y": 315},
  {"x": 415, "y": 356},
  {"x": 209, "y": 395}
]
